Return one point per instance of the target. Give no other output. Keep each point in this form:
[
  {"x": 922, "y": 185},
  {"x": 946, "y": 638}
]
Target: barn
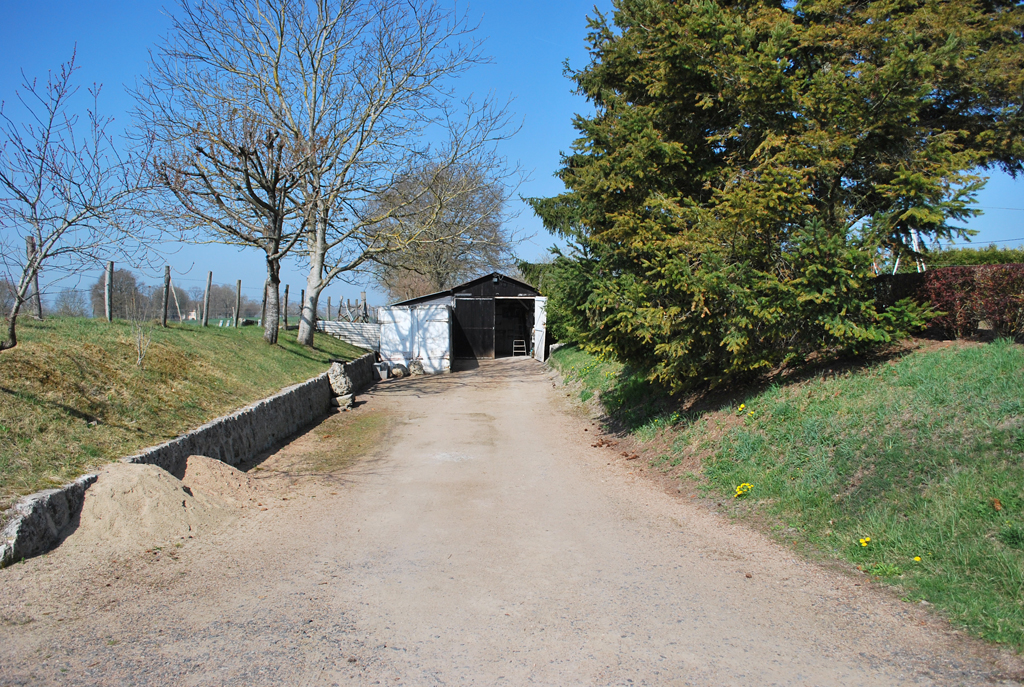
[{"x": 493, "y": 316}]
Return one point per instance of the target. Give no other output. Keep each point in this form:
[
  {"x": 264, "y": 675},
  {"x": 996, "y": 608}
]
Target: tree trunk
[
  {"x": 31, "y": 251},
  {"x": 21, "y": 296},
  {"x": 307, "y": 319},
  {"x": 271, "y": 298},
  {"x": 12, "y": 320},
  {"x": 263, "y": 305},
  {"x": 314, "y": 286},
  {"x": 12, "y": 335}
]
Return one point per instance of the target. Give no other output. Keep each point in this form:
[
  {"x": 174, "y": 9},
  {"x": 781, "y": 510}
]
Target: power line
[{"x": 970, "y": 243}]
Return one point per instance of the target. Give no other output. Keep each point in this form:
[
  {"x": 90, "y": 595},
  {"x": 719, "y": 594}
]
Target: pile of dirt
[
  {"x": 212, "y": 477},
  {"x": 133, "y": 505}
]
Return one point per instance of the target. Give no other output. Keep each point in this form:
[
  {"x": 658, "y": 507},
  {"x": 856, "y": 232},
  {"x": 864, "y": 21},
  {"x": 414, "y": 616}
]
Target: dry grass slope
[{"x": 73, "y": 398}]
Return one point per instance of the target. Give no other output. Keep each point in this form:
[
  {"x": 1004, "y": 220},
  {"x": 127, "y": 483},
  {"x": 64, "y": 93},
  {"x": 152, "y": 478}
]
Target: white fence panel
[{"x": 356, "y": 333}]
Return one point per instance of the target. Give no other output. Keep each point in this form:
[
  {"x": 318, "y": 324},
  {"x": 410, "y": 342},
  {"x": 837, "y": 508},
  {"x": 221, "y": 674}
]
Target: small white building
[{"x": 490, "y": 317}]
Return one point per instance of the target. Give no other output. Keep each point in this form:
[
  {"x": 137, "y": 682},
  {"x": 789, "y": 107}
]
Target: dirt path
[{"x": 486, "y": 542}]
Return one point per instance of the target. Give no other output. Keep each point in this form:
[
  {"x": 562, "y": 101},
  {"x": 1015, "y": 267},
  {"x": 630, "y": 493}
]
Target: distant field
[
  {"x": 73, "y": 398},
  {"x": 911, "y": 468}
]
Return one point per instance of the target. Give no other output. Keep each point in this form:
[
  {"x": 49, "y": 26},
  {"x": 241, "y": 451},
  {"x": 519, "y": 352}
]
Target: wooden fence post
[
  {"x": 177, "y": 306},
  {"x": 238, "y": 304},
  {"x": 206, "y": 299},
  {"x": 286, "y": 307},
  {"x": 108, "y": 292},
  {"x": 167, "y": 294}
]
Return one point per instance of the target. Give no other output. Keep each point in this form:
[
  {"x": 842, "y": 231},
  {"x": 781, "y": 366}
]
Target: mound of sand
[
  {"x": 214, "y": 478},
  {"x": 132, "y": 506}
]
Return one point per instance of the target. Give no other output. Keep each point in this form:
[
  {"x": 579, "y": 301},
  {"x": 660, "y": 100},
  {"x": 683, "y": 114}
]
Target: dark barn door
[{"x": 473, "y": 328}]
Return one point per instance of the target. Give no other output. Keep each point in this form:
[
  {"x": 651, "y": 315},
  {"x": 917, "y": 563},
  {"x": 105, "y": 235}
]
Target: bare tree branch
[
  {"x": 360, "y": 93},
  {"x": 63, "y": 185},
  {"x": 458, "y": 226}
]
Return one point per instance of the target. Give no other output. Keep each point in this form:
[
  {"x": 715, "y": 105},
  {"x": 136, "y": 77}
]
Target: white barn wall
[{"x": 417, "y": 332}]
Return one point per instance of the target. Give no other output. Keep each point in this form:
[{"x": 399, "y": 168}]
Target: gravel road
[{"x": 486, "y": 541}]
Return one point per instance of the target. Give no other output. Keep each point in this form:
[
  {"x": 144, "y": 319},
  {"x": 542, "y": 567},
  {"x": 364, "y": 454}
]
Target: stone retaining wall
[
  {"x": 246, "y": 432},
  {"x": 350, "y": 377},
  {"x": 36, "y": 522}
]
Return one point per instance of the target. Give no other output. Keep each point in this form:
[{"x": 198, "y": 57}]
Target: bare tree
[
  {"x": 64, "y": 189},
  {"x": 222, "y": 167},
  {"x": 359, "y": 92},
  {"x": 71, "y": 303},
  {"x": 137, "y": 310},
  {"x": 461, "y": 227}
]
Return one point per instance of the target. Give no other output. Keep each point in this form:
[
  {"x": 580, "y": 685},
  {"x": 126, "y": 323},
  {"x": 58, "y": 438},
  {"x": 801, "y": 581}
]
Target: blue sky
[{"x": 528, "y": 39}]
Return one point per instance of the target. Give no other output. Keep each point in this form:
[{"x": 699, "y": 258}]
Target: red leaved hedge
[{"x": 967, "y": 295}]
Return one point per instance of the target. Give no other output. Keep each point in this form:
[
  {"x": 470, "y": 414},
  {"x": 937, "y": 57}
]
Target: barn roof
[{"x": 518, "y": 288}]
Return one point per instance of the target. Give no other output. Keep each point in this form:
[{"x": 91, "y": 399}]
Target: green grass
[
  {"x": 73, "y": 398},
  {"x": 923, "y": 454},
  {"x": 630, "y": 400}
]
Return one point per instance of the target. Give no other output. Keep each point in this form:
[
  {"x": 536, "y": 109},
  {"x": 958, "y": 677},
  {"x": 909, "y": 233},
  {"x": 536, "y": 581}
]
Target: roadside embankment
[
  {"x": 908, "y": 467},
  {"x": 73, "y": 398},
  {"x": 38, "y": 521}
]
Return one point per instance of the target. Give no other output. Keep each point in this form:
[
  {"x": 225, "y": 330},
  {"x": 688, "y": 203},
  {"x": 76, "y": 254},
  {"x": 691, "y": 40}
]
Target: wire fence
[{"x": 187, "y": 300}]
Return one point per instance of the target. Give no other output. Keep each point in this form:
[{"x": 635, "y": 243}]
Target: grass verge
[
  {"x": 911, "y": 469},
  {"x": 73, "y": 398}
]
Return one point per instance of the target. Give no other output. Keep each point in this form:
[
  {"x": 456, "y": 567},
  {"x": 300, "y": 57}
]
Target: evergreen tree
[{"x": 747, "y": 161}]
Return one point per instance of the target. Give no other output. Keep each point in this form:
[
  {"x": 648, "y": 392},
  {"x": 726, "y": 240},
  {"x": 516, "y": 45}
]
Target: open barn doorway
[{"x": 513, "y": 326}]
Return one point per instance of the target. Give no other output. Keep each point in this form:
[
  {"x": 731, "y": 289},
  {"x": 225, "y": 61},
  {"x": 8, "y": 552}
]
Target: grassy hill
[
  {"x": 72, "y": 396},
  {"x": 910, "y": 468}
]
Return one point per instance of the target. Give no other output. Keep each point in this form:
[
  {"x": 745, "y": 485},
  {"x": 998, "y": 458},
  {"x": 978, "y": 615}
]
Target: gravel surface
[{"x": 485, "y": 542}]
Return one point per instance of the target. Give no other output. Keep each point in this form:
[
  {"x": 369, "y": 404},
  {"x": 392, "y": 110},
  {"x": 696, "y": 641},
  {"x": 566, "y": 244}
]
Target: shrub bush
[
  {"x": 952, "y": 290},
  {"x": 966, "y": 295},
  {"x": 990, "y": 255},
  {"x": 1000, "y": 298}
]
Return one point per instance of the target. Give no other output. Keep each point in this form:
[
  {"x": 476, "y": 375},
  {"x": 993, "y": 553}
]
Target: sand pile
[
  {"x": 133, "y": 506},
  {"x": 214, "y": 478}
]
